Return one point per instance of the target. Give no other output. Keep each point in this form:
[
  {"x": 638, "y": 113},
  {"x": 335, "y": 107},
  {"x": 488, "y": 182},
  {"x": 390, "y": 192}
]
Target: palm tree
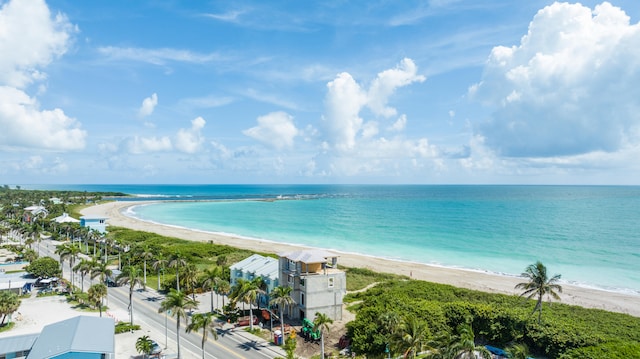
[
  {"x": 465, "y": 347},
  {"x": 281, "y": 296},
  {"x": 145, "y": 254},
  {"x": 205, "y": 322},
  {"x": 130, "y": 275},
  {"x": 177, "y": 302},
  {"x": 144, "y": 345},
  {"x": 70, "y": 251},
  {"x": 210, "y": 276},
  {"x": 539, "y": 285},
  {"x": 9, "y": 303},
  {"x": 223, "y": 288},
  {"x": 84, "y": 267},
  {"x": 412, "y": 337},
  {"x": 251, "y": 293},
  {"x": 96, "y": 293},
  {"x": 158, "y": 265},
  {"x": 176, "y": 262},
  {"x": 101, "y": 269},
  {"x": 190, "y": 279},
  {"x": 321, "y": 322}
]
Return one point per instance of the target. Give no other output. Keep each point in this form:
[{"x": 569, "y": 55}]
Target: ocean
[{"x": 588, "y": 234}]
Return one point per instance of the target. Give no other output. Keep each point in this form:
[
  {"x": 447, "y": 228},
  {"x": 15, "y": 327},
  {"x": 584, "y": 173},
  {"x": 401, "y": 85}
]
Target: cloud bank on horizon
[{"x": 93, "y": 95}]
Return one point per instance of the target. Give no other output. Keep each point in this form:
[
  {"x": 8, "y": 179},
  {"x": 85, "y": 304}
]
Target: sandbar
[{"x": 487, "y": 282}]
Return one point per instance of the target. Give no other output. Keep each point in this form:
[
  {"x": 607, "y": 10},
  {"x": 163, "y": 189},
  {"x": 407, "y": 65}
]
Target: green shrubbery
[
  {"x": 123, "y": 327},
  {"x": 565, "y": 331}
]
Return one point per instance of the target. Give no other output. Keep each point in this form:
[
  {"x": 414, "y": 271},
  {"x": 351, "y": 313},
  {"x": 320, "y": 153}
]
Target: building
[
  {"x": 65, "y": 218},
  {"x": 17, "y": 346},
  {"x": 81, "y": 337},
  {"x": 257, "y": 266},
  {"x": 94, "y": 222},
  {"x": 33, "y": 212},
  {"x": 317, "y": 283}
]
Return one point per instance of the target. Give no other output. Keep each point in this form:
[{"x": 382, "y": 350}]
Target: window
[
  {"x": 331, "y": 282},
  {"x": 302, "y": 281},
  {"x": 301, "y": 298},
  {"x": 292, "y": 265}
]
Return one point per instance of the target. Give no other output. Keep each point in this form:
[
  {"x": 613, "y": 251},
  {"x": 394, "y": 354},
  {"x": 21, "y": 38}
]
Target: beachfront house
[
  {"x": 257, "y": 266},
  {"x": 317, "y": 283},
  {"x": 94, "y": 222}
]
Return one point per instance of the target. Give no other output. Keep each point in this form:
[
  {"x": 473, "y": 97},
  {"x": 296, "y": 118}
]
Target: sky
[{"x": 296, "y": 92}]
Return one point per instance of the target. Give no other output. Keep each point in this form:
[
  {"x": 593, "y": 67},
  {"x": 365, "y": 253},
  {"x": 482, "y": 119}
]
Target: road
[{"x": 230, "y": 344}]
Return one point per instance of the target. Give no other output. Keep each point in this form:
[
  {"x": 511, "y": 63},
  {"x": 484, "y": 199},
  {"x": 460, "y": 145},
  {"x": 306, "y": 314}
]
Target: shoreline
[{"x": 458, "y": 277}]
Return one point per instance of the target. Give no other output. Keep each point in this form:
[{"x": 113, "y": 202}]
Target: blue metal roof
[{"x": 83, "y": 334}]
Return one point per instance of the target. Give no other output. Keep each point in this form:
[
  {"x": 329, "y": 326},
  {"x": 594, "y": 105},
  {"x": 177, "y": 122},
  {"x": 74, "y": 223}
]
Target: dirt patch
[{"x": 307, "y": 349}]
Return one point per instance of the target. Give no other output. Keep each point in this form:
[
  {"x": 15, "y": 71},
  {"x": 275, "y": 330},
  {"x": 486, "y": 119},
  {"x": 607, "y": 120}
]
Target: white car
[{"x": 156, "y": 349}]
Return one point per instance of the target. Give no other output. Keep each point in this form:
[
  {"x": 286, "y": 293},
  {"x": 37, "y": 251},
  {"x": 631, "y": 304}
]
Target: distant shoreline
[{"x": 477, "y": 280}]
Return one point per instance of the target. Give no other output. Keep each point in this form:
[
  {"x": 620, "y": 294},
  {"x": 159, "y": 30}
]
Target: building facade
[
  {"x": 318, "y": 286},
  {"x": 97, "y": 223},
  {"x": 257, "y": 266}
]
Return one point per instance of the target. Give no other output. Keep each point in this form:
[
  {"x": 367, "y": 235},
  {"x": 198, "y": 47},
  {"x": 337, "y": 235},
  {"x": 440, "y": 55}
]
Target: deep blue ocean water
[{"x": 589, "y": 234}]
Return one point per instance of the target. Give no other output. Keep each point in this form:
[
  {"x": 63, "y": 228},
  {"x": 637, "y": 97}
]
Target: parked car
[{"x": 156, "y": 349}]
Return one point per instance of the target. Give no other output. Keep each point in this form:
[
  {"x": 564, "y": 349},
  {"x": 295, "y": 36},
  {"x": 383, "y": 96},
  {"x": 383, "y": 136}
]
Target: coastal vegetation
[{"x": 500, "y": 320}]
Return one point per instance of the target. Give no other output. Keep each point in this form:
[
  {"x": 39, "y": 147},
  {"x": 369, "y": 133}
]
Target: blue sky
[{"x": 440, "y": 91}]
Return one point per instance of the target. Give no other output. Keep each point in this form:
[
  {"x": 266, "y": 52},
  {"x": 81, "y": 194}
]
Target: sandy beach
[{"x": 586, "y": 297}]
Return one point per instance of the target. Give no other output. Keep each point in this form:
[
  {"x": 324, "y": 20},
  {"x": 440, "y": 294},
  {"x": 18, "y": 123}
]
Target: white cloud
[
  {"x": 386, "y": 84},
  {"x": 148, "y": 105},
  {"x": 346, "y": 98},
  {"x": 24, "y": 125},
  {"x": 190, "y": 140},
  {"x": 206, "y": 101},
  {"x": 275, "y": 129},
  {"x": 30, "y": 38},
  {"x": 140, "y": 145},
  {"x": 568, "y": 88},
  {"x": 400, "y": 124},
  {"x": 343, "y": 103},
  {"x": 156, "y": 56}
]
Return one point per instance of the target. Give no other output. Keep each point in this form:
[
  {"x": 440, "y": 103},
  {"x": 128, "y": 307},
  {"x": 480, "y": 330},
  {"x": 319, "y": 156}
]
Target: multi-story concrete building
[{"x": 317, "y": 283}]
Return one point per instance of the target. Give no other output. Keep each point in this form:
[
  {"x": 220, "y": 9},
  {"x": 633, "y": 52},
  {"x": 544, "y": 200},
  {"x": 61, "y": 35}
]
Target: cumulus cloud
[
  {"x": 139, "y": 145},
  {"x": 342, "y": 118},
  {"x": 346, "y": 98},
  {"x": 568, "y": 88},
  {"x": 24, "y": 125},
  {"x": 275, "y": 129},
  {"x": 386, "y": 84},
  {"x": 148, "y": 105},
  {"x": 30, "y": 39},
  {"x": 190, "y": 140},
  {"x": 354, "y": 145}
]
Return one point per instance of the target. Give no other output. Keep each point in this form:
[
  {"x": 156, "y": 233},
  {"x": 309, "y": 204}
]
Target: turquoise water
[{"x": 589, "y": 234}]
